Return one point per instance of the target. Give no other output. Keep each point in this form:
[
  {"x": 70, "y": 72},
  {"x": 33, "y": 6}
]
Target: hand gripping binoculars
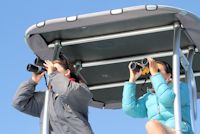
[
  {"x": 38, "y": 67},
  {"x": 144, "y": 66}
]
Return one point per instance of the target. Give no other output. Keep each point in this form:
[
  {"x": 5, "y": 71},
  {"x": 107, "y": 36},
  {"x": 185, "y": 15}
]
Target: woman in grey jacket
[{"x": 68, "y": 103}]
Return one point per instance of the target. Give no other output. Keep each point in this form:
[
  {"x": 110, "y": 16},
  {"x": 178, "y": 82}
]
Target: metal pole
[
  {"x": 192, "y": 89},
  {"x": 128, "y": 59},
  {"x": 78, "y": 68},
  {"x": 120, "y": 84},
  {"x": 184, "y": 61},
  {"x": 45, "y": 125},
  {"x": 114, "y": 36},
  {"x": 176, "y": 77}
]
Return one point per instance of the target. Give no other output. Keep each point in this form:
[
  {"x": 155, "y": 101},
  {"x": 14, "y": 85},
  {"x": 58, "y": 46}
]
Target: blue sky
[{"x": 16, "y": 17}]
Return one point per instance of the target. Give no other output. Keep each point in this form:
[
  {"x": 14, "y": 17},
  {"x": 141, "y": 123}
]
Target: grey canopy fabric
[{"x": 104, "y": 61}]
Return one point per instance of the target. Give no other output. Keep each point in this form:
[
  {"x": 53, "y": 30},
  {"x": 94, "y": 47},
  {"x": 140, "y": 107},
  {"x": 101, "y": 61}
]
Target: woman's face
[
  {"x": 59, "y": 68},
  {"x": 162, "y": 70}
]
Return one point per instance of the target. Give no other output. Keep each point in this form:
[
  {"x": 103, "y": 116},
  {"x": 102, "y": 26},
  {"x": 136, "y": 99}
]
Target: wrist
[
  {"x": 50, "y": 71},
  {"x": 154, "y": 72},
  {"x": 32, "y": 82},
  {"x": 35, "y": 80},
  {"x": 132, "y": 79}
]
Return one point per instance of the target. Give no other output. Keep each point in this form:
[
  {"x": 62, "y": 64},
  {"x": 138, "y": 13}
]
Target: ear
[
  {"x": 169, "y": 77},
  {"x": 67, "y": 73}
]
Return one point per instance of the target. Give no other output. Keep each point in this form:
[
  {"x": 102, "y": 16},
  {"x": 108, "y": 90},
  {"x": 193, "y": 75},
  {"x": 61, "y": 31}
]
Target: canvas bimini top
[{"x": 100, "y": 45}]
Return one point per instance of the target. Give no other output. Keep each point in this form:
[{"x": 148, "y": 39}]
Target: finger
[
  {"x": 140, "y": 64},
  {"x": 150, "y": 60},
  {"x": 46, "y": 65},
  {"x": 49, "y": 63},
  {"x": 129, "y": 65},
  {"x": 138, "y": 74}
]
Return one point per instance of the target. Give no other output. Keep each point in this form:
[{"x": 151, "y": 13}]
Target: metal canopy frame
[
  {"x": 176, "y": 77},
  {"x": 114, "y": 36},
  {"x": 178, "y": 57},
  {"x": 128, "y": 59},
  {"x": 192, "y": 88}
]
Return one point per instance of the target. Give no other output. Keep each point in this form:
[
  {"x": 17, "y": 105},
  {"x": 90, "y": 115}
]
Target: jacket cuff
[
  {"x": 129, "y": 87},
  {"x": 156, "y": 80},
  {"x": 30, "y": 81}
]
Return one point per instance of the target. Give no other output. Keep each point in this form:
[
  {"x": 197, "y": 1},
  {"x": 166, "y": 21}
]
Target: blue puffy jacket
[{"x": 159, "y": 105}]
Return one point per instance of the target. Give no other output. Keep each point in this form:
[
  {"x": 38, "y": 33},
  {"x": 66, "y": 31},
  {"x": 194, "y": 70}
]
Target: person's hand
[
  {"x": 37, "y": 77},
  {"x": 49, "y": 66},
  {"x": 153, "y": 67},
  {"x": 133, "y": 74}
]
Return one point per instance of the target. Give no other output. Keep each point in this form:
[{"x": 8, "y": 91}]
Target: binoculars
[
  {"x": 38, "y": 67},
  {"x": 144, "y": 66}
]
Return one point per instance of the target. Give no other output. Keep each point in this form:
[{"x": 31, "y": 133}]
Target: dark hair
[
  {"x": 67, "y": 65},
  {"x": 64, "y": 61},
  {"x": 168, "y": 68}
]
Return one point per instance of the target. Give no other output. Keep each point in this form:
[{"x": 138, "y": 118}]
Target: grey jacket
[{"x": 68, "y": 104}]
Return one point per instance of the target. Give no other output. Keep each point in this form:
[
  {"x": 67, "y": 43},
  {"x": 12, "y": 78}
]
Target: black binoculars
[
  {"x": 144, "y": 66},
  {"x": 38, "y": 67}
]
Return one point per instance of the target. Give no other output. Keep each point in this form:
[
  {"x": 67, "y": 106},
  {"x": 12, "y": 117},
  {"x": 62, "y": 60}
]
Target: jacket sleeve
[
  {"x": 65, "y": 86},
  {"x": 130, "y": 105},
  {"x": 164, "y": 92},
  {"x": 27, "y": 100}
]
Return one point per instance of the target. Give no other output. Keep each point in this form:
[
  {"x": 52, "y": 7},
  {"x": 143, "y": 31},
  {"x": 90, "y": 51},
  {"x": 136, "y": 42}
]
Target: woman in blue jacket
[{"x": 158, "y": 103}]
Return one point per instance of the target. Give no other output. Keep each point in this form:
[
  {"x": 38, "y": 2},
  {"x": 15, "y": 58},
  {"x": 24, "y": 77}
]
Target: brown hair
[
  {"x": 67, "y": 65},
  {"x": 168, "y": 68},
  {"x": 64, "y": 64}
]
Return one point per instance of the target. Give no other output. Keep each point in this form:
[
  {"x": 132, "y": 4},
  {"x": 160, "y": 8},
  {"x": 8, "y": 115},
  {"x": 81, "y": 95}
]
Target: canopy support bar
[
  {"x": 132, "y": 58},
  {"x": 120, "y": 84},
  {"x": 192, "y": 89},
  {"x": 114, "y": 36},
  {"x": 184, "y": 61},
  {"x": 176, "y": 77}
]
